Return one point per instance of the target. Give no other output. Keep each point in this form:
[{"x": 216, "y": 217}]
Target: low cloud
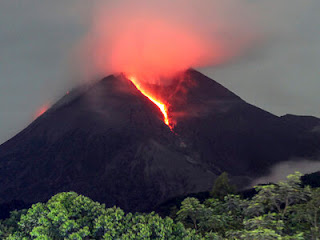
[{"x": 280, "y": 171}]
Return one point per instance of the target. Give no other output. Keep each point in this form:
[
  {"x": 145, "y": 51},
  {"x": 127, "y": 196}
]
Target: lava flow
[{"x": 163, "y": 108}]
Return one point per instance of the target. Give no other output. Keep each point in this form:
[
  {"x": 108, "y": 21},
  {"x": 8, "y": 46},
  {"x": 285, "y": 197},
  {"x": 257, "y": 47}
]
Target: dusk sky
[{"x": 37, "y": 38}]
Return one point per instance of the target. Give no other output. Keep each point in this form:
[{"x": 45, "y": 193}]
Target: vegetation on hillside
[{"x": 286, "y": 210}]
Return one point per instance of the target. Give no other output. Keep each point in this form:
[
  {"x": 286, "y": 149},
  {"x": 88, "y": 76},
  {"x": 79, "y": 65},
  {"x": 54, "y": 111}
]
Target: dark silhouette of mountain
[
  {"x": 109, "y": 142},
  {"x": 235, "y": 136}
]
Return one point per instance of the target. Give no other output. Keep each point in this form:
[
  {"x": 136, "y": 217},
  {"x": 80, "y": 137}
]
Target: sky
[{"x": 38, "y": 38}]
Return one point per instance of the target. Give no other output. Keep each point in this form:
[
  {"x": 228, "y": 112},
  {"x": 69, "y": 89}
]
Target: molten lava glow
[
  {"x": 163, "y": 108},
  {"x": 41, "y": 111},
  {"x": 154, "y": 40}
]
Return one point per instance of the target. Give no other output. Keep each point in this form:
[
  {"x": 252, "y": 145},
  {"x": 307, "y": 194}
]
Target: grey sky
[{"x": 37, "y": 36}]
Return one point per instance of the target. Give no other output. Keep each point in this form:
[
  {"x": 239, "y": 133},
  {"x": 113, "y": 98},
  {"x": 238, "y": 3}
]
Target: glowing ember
[
  {"x": 163, "y": 108},
  {"x": 41, "y": 111}
]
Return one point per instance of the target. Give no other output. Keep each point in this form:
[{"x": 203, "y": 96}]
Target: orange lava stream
[{"x": 163, "y": 108}]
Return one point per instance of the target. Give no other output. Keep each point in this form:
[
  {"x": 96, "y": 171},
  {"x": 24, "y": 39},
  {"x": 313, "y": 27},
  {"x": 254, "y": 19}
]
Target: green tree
[
  {"x": 222, "y": 187},
  {"x": 213, "y": 236},
  {"x": 10, "y": 225},
  {"x": 72, "y": 216},
  {"x": 191, "y": 209},
  {"x": 278, "y": 197},
  {"x": 64, "y": 216},
  {"x": 285, "y": 211},
  {"x": 222, "y": 216},
  {"x": 306, "y": 216},
  {"x": 265, "y": 227}
]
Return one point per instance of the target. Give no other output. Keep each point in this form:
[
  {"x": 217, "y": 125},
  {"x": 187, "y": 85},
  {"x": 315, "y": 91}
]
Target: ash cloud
[{"x": 154, "y": 39}]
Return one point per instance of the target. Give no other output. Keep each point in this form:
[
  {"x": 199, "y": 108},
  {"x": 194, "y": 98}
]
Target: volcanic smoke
[
  {"x": 151, "y": 41},
  {"x": 154, "y": 40}
]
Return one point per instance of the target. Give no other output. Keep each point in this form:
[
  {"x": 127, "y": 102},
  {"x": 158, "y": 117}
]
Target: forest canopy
[{"x": 285, "y": 210}]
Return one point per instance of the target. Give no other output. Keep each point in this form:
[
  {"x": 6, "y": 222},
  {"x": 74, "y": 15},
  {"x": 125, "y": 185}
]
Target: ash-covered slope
[{"x": 109, "y": 142}]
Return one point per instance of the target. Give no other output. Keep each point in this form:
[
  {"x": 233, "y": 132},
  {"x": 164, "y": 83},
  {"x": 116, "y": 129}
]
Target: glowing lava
[
  {"x": 41, "y": 111},
  {"x": 163, "y": 108}
]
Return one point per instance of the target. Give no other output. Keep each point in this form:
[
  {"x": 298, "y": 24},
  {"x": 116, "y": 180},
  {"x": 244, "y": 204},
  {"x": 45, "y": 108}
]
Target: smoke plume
[{"x": 155, "y": 39}]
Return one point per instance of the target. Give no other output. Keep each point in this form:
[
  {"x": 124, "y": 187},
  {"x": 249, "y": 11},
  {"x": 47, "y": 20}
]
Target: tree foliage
[
  {"x": 279, "y": 197},
  {"x": 222, "y": 187},
  {"x": 286, "y": 211},
  {"x": 72, "y": 216}
]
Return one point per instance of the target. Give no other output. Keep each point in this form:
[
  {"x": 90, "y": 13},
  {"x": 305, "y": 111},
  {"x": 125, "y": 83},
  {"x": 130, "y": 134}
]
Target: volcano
[{"x": 109, "y": 142}]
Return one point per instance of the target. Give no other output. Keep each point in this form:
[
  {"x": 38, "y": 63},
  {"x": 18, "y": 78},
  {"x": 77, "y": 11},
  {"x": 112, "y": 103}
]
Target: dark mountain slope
[
  {"x": 233, "y": 135},
  {"x": 305, "y": 123},
  {"x": 107, "y": 141}
]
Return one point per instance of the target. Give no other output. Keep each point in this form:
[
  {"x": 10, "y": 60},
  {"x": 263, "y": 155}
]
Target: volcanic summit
[{"x": 110, "y": 142}]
